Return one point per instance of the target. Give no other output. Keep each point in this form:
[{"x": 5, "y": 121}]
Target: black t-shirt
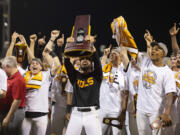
[{"x": 86, "y": 87}]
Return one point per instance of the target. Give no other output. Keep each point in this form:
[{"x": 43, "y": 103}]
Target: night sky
[{"x": 33, "y": 16}]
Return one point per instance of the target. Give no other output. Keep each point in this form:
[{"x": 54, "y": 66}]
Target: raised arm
[
  {"x": 97, "y": 65},
  {"x": 29, "y": 52},
  {"x": 49, "y": 48},
  {"x": 105, "y": 55},
  {"x": 54, "y": 35},
  {"x": 33, "y": 39},
  {"x": 173, "y": 32},
  {"x": 13, "y": 41},
  {"x": 149, "y": 39},
  {"x": 58, "y": 48},
  {"x": 124, "y": 57},
  {"x": 70, "y": 70}
]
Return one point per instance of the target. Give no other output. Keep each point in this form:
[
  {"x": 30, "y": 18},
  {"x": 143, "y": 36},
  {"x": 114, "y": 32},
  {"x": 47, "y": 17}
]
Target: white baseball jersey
[
  {"x": 37, "y": 99},
  {"x": 110, "y": 92},
  {"x": 154, "y": 83},
  {"x": 3, "y": 80}
]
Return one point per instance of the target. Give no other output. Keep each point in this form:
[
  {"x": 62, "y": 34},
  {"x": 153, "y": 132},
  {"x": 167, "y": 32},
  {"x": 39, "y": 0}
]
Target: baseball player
[
  {"x": 175, "y": 66},
  {"x": 85, "y": 102},
  {"x": 113, "y": 90},
  {"x": 155, "y": 91},
  {"x": 37, "y": 84}
]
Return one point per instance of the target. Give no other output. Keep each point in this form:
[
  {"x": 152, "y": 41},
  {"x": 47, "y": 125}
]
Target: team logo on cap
[{"x": 149, "y": 78}]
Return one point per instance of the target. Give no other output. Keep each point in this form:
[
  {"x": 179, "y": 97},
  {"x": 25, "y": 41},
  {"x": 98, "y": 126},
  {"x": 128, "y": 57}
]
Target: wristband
[
  {"x": 51, "y": 40},
  {"x": 53, "y": 54},
  {"x": 68, "y": 108}
]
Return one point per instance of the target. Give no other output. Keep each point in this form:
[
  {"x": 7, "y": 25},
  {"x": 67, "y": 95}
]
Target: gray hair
[{"x": 9, "y": 61}]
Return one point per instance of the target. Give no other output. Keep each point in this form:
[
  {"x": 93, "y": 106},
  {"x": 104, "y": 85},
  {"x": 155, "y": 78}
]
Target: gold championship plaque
[{"x": 80, "y": 47}]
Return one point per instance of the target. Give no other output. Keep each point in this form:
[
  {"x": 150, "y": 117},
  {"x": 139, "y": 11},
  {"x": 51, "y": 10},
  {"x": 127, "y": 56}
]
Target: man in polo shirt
[{"x": 11, "y": 108}]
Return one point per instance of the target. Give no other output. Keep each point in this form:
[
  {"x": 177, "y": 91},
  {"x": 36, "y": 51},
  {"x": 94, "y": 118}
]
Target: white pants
[
  {"x": 89, "y": 120},
  {"x": 143, "y": 123},
  {"x": 115, "y": 131},
  {"x": 40, "y": 125}
]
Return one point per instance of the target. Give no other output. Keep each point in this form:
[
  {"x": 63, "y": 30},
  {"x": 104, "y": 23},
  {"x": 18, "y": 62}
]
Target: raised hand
[
  {"x": 60, "y": 41},
  {"x": 54, "y": 34},
  {"x": 174, "y": 30},
  {"x": 33, "y": 38},
  {"x": 148, "y": 37},
  {"x": 70, "y": 40},
  {"x": 107, "y": 50},
  {"x": 22, "y": 39},
  {"x": 15, "y": 35},
  {"x": 91, "y": 38}
]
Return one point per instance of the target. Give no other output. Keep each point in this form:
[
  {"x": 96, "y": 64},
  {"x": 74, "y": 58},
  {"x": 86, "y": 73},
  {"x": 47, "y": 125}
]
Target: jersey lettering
[{"x": 85, "y": 83}]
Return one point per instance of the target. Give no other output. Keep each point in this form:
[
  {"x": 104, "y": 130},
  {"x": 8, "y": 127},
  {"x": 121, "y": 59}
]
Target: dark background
[{"x": 33, "y": 16}]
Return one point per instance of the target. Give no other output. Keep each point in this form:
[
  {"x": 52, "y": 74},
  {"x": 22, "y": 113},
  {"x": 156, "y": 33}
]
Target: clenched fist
[
  {"x": 15, "y": 35},
  {"x": 33, "y": 38},
  {"x": 54, "y": 34},
  {"x": 60, "y": 41}
]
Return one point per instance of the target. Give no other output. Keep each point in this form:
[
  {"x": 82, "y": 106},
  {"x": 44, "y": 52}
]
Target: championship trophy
[
  {"x": 20, "y": 52},
  {"x": 80, "y": 47},
  {"x": 109, "y": 121}
]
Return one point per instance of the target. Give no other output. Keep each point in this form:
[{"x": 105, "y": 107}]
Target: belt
[{"x": 87, "y": 109}]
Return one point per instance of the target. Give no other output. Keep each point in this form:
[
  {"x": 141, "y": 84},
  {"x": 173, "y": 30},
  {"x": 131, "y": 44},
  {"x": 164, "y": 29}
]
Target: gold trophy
[
  {"x": 80, "y": 47},
  {"x": 20, "y": 52}
]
